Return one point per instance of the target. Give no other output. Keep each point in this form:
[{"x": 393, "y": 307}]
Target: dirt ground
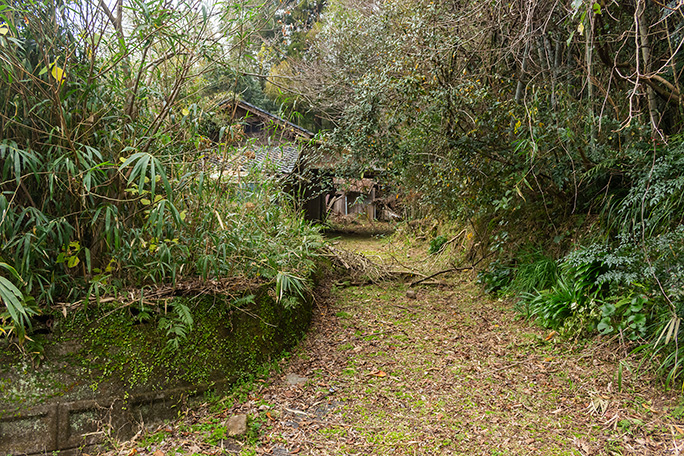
[{"x": 438, "y": 369}]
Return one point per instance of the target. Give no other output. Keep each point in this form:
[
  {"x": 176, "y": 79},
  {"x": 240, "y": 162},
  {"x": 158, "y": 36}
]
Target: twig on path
[
  {"x": 298, "y": 412},
  {"x": 434, "y": 282},
  {"x": 508, "y": 366},
  {"x": 467, "y": 268},
  {"x": 444, "y": 246}
]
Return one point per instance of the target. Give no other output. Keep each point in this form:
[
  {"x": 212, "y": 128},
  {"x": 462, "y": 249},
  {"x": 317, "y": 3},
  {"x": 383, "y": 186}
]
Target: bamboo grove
[{"x": 105, "y": 189}]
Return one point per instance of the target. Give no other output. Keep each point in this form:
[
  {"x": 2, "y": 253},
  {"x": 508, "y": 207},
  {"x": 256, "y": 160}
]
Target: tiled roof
[
  {"x": 279, "y": 159},
  {"x": 282, "y": 158},
  {"x": 263, "y": 115}
]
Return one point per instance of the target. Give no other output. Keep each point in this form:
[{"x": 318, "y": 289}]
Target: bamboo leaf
[
  {"x": 58, "y": 73},
  {"x": 673, "y": 323}
]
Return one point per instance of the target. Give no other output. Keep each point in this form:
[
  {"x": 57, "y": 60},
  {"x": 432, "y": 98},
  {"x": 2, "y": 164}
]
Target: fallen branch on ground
[
  {"x": 446, "y": 244},
  {"x": 468, "y": 268},
  {"x": 361, "y": 269}
]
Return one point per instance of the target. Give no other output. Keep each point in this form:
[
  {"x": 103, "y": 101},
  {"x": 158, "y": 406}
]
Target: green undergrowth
[
  {"x": 130, "y": 195},
  {"x": 273, "y": 246},
  {"x": 625, "y": 288},
  {"x": 616, "y": 274}
]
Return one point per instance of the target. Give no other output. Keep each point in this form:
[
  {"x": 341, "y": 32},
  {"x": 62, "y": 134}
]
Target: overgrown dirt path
[{"x": 449, "y": 371}]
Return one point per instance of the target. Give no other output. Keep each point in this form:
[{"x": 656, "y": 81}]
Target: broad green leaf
[
  {"x": 604, "y": 326},
  {"x": 607, "y": 309}
]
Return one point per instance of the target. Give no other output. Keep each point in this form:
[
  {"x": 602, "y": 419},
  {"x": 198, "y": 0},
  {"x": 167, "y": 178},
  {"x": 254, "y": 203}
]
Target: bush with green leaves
[
  {"x": 629, "y": 288},
  {"x": 496, "y": 277},
  {"x": 574, "y": 293},
  {"x": 624, "y": 315},
  {"x": 103, "y": 177},
  {"x": 534, "y": 270}
]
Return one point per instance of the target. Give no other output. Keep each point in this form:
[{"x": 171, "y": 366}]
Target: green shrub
[
  {"x": 574, "y": 293},
  {"x": 496, "y": 277},
  {"x": 534, "y": 271},
  {"x": 626, "y": 315},
  {"x": 103, "y": 173}
]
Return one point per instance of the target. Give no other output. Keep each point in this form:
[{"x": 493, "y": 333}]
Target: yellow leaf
[
  {"x": 73, "y": 261},
  {"x": 58, "y": 73},
  {"x": 517, "y": 189},
  {"x": 185, "y": 111},
  {"x": 4, "y": 29},
  {"x": 580, "y": 28}
]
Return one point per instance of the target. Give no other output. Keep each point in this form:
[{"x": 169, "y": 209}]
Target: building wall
[{"x": 355, "y": 203}]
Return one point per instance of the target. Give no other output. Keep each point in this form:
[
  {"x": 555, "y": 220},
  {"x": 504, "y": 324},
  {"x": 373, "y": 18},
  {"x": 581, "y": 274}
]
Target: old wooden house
[{"x": 288, "y": 150}]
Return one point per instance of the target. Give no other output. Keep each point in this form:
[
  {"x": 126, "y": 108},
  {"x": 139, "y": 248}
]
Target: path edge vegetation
[
  {"x": 498, "y": 118},
  {"x": 108, "y": 196},
  {"x": 542, "y": 128}
]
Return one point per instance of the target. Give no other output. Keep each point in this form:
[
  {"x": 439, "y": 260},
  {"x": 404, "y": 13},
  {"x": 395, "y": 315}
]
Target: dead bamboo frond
[{"x": 362, "y": 269}]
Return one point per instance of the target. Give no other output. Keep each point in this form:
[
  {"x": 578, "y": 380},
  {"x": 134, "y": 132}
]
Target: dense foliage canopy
[{"x": 550, "y": 126}]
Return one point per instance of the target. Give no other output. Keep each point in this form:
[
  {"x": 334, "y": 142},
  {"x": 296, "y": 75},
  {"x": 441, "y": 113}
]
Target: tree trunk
[
  {"x": 589, "y": 54},
  {"x": 645, "y": 48},
  {"x": 523, "y": 70}
]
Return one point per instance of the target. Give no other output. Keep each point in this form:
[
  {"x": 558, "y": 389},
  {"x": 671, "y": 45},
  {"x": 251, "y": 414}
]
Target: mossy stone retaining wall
[{"x": 109, "y": 372}]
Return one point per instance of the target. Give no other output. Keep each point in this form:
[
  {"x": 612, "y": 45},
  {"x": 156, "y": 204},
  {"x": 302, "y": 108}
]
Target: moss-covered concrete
[{"x": 123, "y": 356}]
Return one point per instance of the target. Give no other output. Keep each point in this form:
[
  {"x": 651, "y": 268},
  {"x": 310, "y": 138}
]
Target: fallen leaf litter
[{"x": 445, "y": 370}]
